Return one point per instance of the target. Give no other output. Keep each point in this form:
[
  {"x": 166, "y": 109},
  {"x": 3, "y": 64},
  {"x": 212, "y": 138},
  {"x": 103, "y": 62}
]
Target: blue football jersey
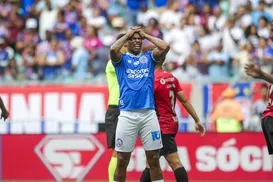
[{"x": 136, "y": 81}]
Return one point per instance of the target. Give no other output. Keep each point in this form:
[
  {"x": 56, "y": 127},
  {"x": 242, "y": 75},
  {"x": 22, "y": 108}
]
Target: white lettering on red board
[
  {"x": 59, "y": 110},
  {"x": 227, "y": 158}
]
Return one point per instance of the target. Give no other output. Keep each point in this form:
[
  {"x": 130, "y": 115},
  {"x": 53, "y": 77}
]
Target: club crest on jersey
[
  {"x": 162, "y": 81},
  {"x": 143, "y": 59}
]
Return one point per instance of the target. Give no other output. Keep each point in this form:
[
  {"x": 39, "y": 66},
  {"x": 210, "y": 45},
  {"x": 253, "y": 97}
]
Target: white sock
[{"x": 161, "y": 180}]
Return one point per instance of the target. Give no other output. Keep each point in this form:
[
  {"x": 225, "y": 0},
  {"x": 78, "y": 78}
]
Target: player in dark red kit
[
  {"x": 267, "y": 117},
  {"x": 167, "y": 90}
]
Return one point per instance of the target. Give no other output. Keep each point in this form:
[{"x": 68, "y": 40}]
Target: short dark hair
[{"x": 120, "y": 35}]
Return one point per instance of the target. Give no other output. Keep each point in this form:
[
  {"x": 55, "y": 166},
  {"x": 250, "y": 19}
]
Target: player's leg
[
  {"x": 267, "y": 126},
  {"x": 111, "y": 119},
  {"x": 170, "y": 153},
  {"x": 145, "y": 176},
  {"x": 126, "y": 135},
  {"x": 151, "y": 140}
]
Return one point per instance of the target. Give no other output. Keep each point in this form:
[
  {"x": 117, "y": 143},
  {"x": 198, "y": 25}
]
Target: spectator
[
  {"x": 263, "y": 28},
  {"x": 43, "y": 47},
  {"x": 31, "y": 67},
  {"x": 72, "y": 13},
  {"x": 145, "y": 15},
  {"x": 92, "y": 41},
  {"x": 171, "y": 16},
  {"x": 227, "y": 114},
  {"x": 97, "y": 20},
  {"x": 60, "y": 26},
  {"x": 4, "y": 58},
  {"x": 207, "y": 40},
  {"x": 244, "y": 56},
  {"x": 197, "y": 60},
  {"x": 133, "y": 8},
  {"x": 251, "y": 35},
  {"x": 67, "y": 49},
  {"x": 47, "y": 19},
  {"x": 3, "y": 29},
  {"x": 218, "y": 64},
  {"x": 264, "y": 56},
  {"x": 216, "y": 21},
  {"x": 243, "y": 18},
  {"x": 260, "y": 12},
  {"x": 5, "y": 9},
  {"x": 52, "y": 61},
  {"x": 29, "y": 36},
  {"x": 82, "y": 26},
  {"x": 232, "y": 37},
  {"x": 79, "y": 59},
  {"x": 154, "y": 30},
  {"x": 179, "y": 40},
  {"x": 15, "y": 24},
  {"x": 204, "y": 15}
]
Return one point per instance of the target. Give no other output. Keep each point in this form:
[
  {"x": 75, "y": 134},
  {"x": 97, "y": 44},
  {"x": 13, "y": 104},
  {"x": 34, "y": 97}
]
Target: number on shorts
[{"x": 172, "y": 99}]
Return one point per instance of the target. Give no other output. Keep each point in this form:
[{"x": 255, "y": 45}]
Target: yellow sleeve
[{"x": 110, "y": 67}]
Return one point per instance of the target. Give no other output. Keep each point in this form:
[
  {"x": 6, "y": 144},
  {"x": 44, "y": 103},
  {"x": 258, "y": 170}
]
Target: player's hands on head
[
  {"x": 142, "y": 34},
  {"x": 200, "y": 128},
  {"x": 133, "y": 30},
  {"x": 253, "y": 70},
  {"x": 4, "y": 114}
]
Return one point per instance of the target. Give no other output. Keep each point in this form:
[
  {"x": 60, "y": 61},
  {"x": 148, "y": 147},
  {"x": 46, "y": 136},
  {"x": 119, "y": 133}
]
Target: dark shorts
[
  {"x": 111, "y": 120},
  {"x": 169, "y": 144},
  {"x": 267, "y": 126}
]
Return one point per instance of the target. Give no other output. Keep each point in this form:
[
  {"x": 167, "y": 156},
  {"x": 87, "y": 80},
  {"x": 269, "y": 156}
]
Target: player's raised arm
[
  {"x": 255, "y": 72},
  {"x": 115, "y": 53},
  {"x": 161, "y": 49},
  {"x": 187, "y": 105}
]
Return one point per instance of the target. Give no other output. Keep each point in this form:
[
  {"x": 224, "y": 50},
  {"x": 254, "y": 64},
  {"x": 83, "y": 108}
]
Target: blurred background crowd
[{"x": 68, "y": 40}]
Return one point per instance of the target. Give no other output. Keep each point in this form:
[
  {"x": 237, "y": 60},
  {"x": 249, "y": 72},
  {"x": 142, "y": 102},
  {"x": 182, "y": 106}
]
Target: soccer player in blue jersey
[{"x": 135, "y": 73}]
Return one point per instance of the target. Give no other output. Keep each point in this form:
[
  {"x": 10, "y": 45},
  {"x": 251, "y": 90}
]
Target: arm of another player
[
  {"x": 5, "y": 113},
  {"x": 255, "y": 72},
  {"x": 115, "y": 53},
  {"x": 161, "y": 49},
  {"x": 187, "y": 105}
]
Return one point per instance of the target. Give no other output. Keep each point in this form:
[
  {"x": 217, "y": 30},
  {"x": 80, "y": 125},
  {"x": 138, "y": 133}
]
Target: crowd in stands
[{"x": 64, "y": 40}]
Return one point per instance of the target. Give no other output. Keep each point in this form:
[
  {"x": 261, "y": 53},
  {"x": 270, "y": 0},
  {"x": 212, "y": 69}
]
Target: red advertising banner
[
  {"x": 241, "y": 156},
  {"x": 64, "y": 103}
]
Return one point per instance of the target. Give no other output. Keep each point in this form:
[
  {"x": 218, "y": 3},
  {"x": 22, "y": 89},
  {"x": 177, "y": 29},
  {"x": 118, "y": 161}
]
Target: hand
[
  {"x": 132, "y": 30},
  {"x": 200, "y": 128},
  {"x": 142, "y": 34},
  {"x": 253, "y": 70},
  {"x": 4, "y": 114}
]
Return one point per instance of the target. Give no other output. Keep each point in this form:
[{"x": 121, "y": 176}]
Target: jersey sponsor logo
[
  {"x": 156, "y": 135},
  {"x": 137, "y": 73},
  {"x": 69, "y": 157},
  {"x": 143, "y": 59},
  {"x": 129, "y": 61},
  {"x": 119, "y": 142},
  {"x": 162, "y": 81}
]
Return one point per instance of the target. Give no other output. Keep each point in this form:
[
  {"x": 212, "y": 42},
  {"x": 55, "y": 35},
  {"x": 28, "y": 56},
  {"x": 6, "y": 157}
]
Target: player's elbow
[
  {"x": 167, "y": 47},
  {"x": 113, "y": 50}
]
